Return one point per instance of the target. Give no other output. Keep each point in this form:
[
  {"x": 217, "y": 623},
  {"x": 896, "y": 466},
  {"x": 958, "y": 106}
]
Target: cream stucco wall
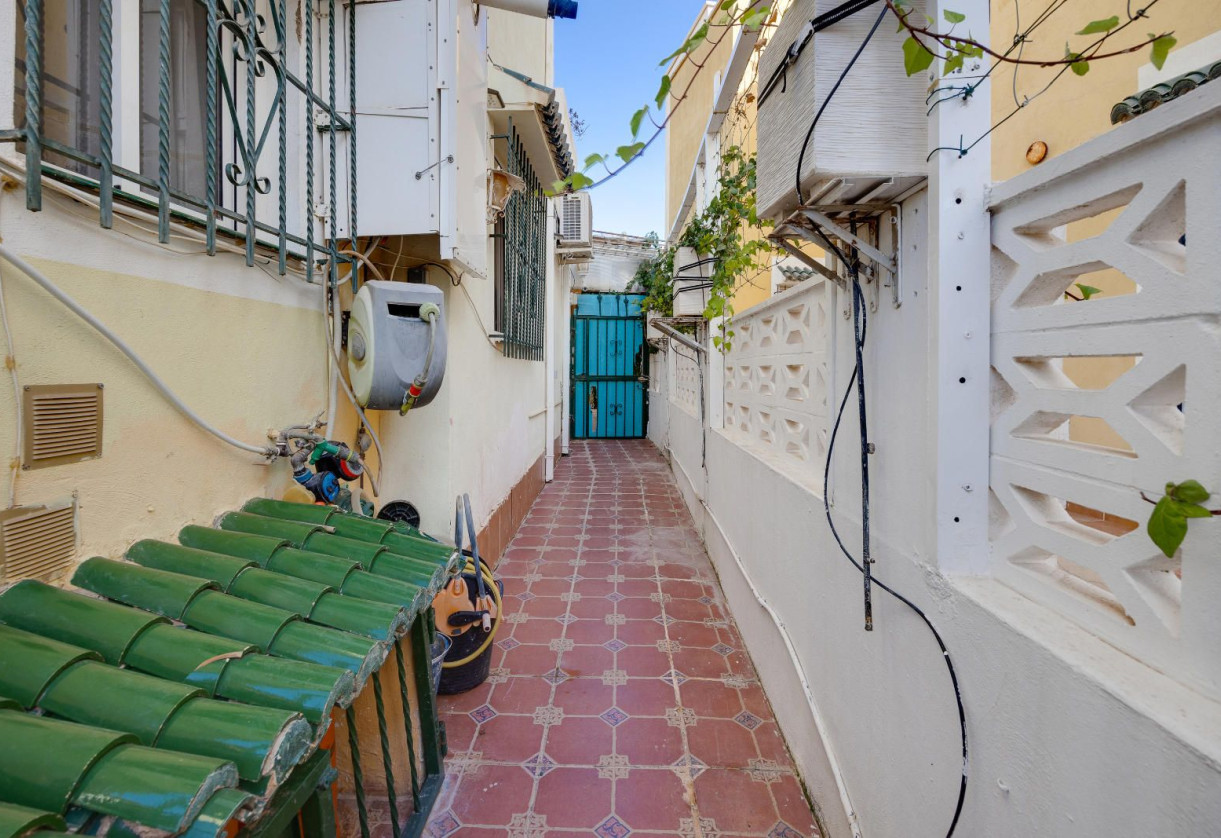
[
  {"x": 244, "y": 348},
  {"x": 1088, "y": 99}
]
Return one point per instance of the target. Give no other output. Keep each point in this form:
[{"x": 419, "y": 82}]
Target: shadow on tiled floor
[{"x": 620, "y": 700}]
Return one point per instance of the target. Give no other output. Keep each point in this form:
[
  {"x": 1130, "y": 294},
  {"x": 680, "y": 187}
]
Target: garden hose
[{"x": 484, "y": 573}]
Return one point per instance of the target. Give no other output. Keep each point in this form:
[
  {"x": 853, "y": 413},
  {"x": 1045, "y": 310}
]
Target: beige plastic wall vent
[
  {"x": 37, "y": 542},
  {"x": 63, "y": 424}
]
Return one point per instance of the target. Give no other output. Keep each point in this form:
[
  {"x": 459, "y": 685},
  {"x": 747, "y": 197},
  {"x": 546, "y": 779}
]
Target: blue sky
[{"x": 606, "y": 60}]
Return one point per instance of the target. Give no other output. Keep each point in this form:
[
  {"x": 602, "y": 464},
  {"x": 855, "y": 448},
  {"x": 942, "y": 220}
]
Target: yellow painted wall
[
  {"x": 1076, "y": 108},
  {"x": 686, "y": 133},
  {"x": 685, "y": 130},
  {"x": 247, "y": 362}
]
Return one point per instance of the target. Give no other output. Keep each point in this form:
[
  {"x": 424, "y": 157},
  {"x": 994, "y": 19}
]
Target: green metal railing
[
  {"x": 245, "y": 41},
  {"x": 426, "y": 789},
  {"x": 524, "y": 243}
]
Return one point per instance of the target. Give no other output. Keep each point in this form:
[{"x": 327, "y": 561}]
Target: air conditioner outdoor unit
[
  {"x": 870, "y": 143},
  {"x": 576, "y": 226}
]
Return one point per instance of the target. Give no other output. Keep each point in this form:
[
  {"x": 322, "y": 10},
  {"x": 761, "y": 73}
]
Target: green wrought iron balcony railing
[{"x": 235, "y": 118}]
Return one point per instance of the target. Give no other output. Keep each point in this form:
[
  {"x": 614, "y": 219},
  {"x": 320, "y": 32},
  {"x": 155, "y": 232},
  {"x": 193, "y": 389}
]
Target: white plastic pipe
[
  {"x": 54, "y": 290},
  {"x": 536, "y": 8}
]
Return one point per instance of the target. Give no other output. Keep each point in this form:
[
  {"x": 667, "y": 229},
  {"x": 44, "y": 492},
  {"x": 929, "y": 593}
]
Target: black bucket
[{"x": 460, "y": 679}]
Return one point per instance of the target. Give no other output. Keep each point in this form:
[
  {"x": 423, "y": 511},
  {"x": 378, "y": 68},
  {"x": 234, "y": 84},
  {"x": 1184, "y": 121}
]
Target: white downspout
[
  {"x": 565, "y": 301},
  {"x": 550, "y": 292}
]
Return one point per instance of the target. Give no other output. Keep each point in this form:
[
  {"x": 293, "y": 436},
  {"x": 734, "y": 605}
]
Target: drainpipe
[
  {"x": 550, "y": 289},
  {"x": 537, "y": 8}
]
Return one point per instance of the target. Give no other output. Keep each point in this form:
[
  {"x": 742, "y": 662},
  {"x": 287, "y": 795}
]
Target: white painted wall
[{"x": 1068, "y": 735}]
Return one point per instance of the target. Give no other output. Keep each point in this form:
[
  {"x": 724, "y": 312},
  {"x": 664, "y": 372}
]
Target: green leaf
[
  {"x": 1077, "y": 66},
  {"x": 663, "y": 91},
  {"x": 637, "y": 118},
  {"x": 558, "y": 187},
  {"x": 953, "y": 62},
  {"x": 593, "y": 160},
  {"x": 1167, "y": 526},
  {"x": 726, "y": 5},
  {"x": 1104, "y": 25},
  {"x": 691, "y": 43},
  {"x": 1189, "y": 491},
  {"x": 954, "y": 17},
  {"x": 1161, "y": 48},
  {"x": 916, "y": 57},
  {"x": 627, "y": 152},
  {"x": 1194, "y": 510},
  {"x": 755, "y": 18},
  {"x": 1088, "y": 291},
  {"x": 580, "y": 181}
]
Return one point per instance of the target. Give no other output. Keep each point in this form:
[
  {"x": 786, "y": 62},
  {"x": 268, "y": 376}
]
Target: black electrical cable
[
  {"x": 817, "y": 24},
  {"x": 860, "y": 328},
  {"x": 801, "y": 156}
]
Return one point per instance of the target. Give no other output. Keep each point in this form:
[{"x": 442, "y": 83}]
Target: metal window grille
[
  {"x": 260, "y": 70},
  {"x": 522, "y": 257}
]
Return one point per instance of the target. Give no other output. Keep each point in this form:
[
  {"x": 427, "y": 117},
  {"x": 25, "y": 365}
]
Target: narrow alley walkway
[{"x": 621, "y": 701}]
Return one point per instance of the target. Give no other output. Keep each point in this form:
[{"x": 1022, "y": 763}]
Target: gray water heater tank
[{"x": 388, "y": 337}]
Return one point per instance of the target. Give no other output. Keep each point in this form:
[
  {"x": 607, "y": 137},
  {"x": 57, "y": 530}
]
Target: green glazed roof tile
[
  {"x": 18, "y": 821},
  {"x": 215, "y": 815},
  {"x": 101, "y": 695},
  {"x": 30, "y": 663},
  {"x": 178, "y": 654},
  {"x": 228, "y": 616},
  {"x": 317, "y": 567},
  {"x": 330, "y": 647},
  {"x": 260, "y": 741},
  {"x": 159, "y": 591},
  {"x": 348, "y": 548},
  {"x": 256, "y": 548},
  {"x": 297, "y": 595},
  {"x": 394, "y": 566},
  {"x": 162, "y": 789},
  {"x": 372, "y": 619},
  {"x": 104, "y": 627},
  {"x": 311, "y": 689},
  {"x": 297, "y": 533},
  {"x": 158, "y": 712},
  {"x": 310, "y": 513},
  {"x": 186, "y": 560},
  {"x": 45, "y": 760},
  {"x": 366, "y": 585}
]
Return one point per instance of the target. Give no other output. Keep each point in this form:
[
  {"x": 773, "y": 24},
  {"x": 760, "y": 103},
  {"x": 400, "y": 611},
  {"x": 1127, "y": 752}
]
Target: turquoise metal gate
[{"x": 608, "y": 396}]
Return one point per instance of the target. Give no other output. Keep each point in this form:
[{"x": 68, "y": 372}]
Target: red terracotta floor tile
[
  {"x": 644, "y": 697},
  {"x": 711, "y": 699},
  {"x": 579, "y": 741},
  {"x": 573, "y": 798},
  {"x": 649, "y": 742},
  {"x": 644, "y": 662},
  {"x": 584, "y": 696},
  {"x": 613, "y": 524},
  {"x": 529, "y": 660},
  {"x": 721, "y": 743},
  {"x": 520, "y": 695},
  {"x": 792, "y": 806},
  {"x": 652, "y": 799},
  {"x": 723, "y": 796},
  {"x": 508, "y": 739},
  {"x": 493, "y": 795}
]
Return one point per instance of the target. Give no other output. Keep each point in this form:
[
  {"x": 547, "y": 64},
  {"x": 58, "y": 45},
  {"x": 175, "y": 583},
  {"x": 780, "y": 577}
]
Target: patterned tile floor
[{"x": 620, "y": 701}]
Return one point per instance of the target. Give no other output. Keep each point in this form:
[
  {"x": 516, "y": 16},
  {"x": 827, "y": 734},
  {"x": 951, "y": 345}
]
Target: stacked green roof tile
[
  {"x": 277, "y": 555},
  {"x": 317, "y": 602},
  {"x": 321, "y": 538},
  {"x": 285, "y": 611},
  {"x": 199, "y": 604},
  {"x": 74, "y": 684},
  {"x": 51, "y": 766},
  {"x": 142, "y": 641}
]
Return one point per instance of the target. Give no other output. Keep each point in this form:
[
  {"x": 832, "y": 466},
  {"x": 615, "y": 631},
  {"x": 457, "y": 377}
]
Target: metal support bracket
[{"x": 886, "y": 263}]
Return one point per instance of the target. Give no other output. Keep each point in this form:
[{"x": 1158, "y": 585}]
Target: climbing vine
[{"x": 720, "y": 232}]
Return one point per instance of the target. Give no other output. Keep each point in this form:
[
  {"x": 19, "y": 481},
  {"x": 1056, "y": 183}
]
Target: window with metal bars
[
  {"x": 240, "y": 104},
  {"x": 521, "y": 256}
]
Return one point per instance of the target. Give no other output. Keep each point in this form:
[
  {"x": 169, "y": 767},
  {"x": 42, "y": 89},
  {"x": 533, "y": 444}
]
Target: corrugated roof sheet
[{"x": 183, "y": 685}]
